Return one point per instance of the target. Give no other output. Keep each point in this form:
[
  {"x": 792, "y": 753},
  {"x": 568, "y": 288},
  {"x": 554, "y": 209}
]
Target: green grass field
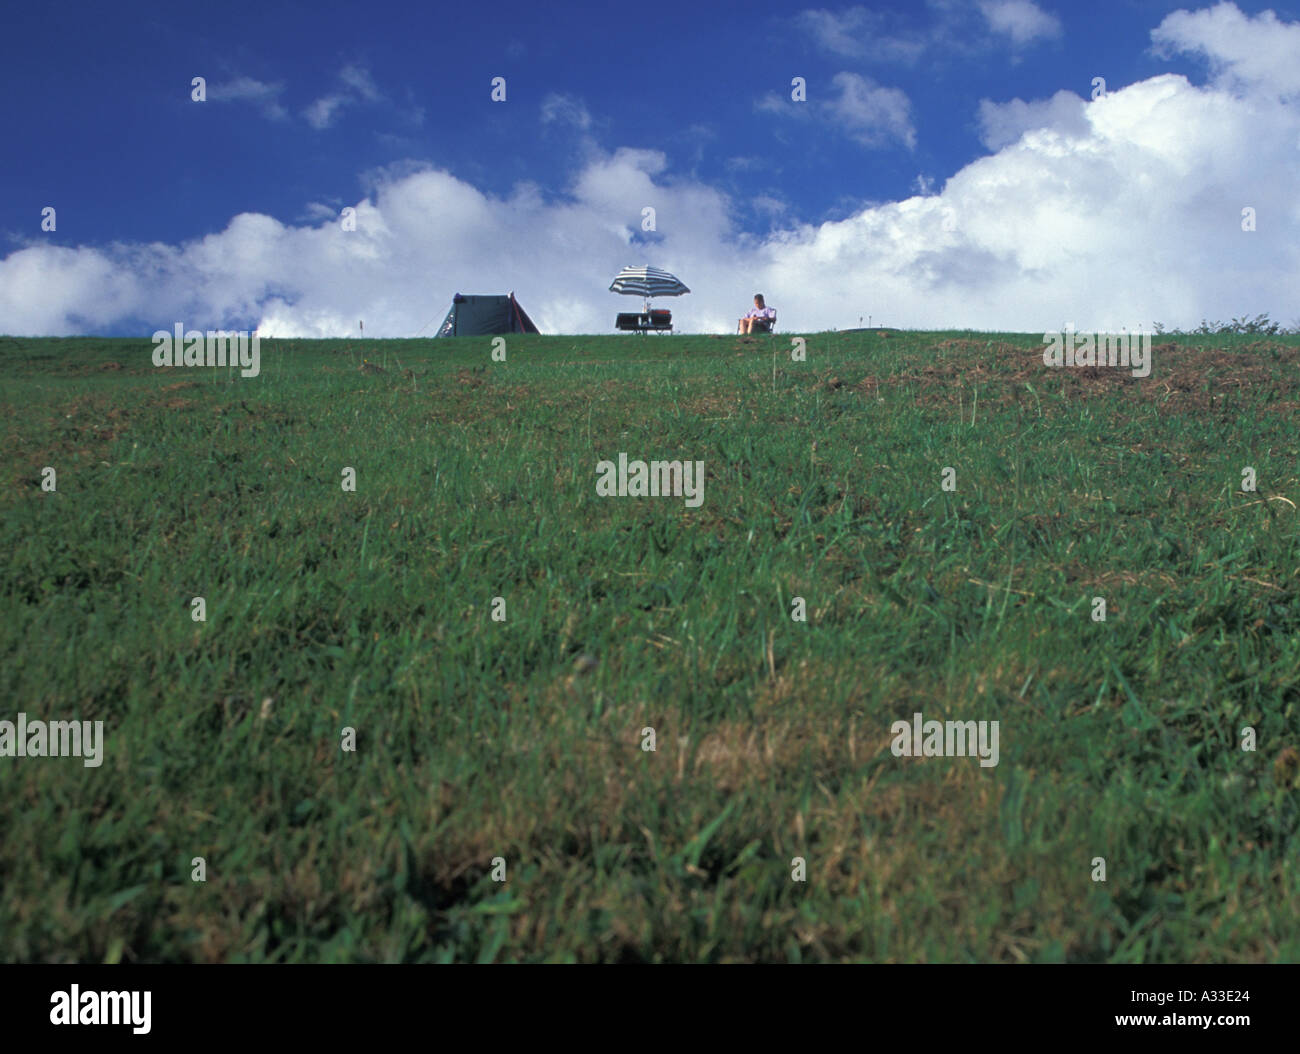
[{"x": 522, "y": 739}]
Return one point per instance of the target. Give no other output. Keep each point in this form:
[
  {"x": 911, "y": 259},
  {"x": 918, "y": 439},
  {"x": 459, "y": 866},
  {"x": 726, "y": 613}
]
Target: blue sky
[{"x": 225, "y": 212}]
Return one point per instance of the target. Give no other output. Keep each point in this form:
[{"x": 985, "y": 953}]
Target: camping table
[{"x": 644, "y": 321}]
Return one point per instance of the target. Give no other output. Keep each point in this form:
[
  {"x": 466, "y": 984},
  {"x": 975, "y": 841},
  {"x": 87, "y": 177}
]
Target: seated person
[{"x": 759, "y": 320}]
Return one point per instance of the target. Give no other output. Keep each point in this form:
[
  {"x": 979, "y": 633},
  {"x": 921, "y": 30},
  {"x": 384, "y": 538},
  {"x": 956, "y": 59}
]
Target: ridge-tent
[{"x": 473, "y": 316}]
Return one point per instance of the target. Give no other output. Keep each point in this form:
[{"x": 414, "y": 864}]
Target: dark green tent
[{"x": 473, "y": 316}]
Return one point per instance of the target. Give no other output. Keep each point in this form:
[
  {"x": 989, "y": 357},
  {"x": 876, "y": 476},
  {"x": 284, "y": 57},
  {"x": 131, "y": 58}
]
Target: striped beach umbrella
[{"x": 647, "y": 282}]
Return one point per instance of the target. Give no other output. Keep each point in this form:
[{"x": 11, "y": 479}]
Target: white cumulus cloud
[
  {"x": 250, "y": 90},
  {"x": 1004, "y": 123},
  {"x": 869, "y": 113},
  {"x": 565, "y": 109},
  {"x": 357, "y": 87},
  {"x": 1021, "y": 20},
  {"x": 1259, "y": 53}
]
